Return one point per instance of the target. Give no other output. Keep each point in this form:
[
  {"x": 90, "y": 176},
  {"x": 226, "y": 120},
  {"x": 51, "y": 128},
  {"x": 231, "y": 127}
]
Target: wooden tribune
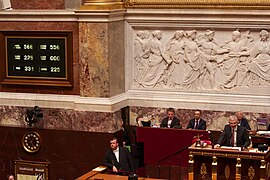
[
  {"x": 97, "y": 174},
  {"x": 166, "y": 150},
  {"x": 31, "y": 169},
  {"x": 228, "y": 163}
]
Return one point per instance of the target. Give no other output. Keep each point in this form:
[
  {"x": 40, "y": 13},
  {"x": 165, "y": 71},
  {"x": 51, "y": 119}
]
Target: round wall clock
[{"x": 31, "y": 142}]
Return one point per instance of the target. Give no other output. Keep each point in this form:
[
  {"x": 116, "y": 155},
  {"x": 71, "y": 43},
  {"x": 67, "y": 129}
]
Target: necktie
[
  {"x": 196, "y": 124},
  {"x": 232, "y": 139}
]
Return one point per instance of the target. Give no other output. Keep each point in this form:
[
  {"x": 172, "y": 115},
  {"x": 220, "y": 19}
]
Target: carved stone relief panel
[{"x": 207, "y": 59}]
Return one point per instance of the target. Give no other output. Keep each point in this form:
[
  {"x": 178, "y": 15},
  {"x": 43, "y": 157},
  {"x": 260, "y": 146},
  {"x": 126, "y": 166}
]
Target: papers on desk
[
  {"x": 264, "y": 133},
  {"x": 229, "y": 147},
  {"x": 256, "y": 150},
  {"x": 99, "y": 169},
  {"x": 253, "y": 150}
]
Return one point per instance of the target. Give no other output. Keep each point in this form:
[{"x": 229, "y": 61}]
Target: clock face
[{"x": 31, "y": 142}]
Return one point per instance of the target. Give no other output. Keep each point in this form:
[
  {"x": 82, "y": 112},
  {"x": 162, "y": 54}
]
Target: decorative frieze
[{"x": 203, "y": 4}]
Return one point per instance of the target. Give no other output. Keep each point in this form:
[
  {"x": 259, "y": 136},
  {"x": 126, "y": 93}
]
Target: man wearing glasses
[{"x": 233, "y": 135}]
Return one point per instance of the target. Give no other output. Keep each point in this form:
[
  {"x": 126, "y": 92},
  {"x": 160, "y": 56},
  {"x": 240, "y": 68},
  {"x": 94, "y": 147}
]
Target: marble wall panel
[
  {"x": 215, "y": 119},
  {"x": 116, "y": 58},
  {"x": 46, "y": 26},
  {"x": 64, "y": 119},
  {"x": 73, "y": 4},
  {"x": 94, "y": 64},
  {"x": 38, "y": 4}
]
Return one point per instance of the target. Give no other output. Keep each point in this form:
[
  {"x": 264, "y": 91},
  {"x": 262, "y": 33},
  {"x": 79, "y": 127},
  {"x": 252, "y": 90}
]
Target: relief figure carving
[
  {"x": 231, "y": 63},
  {"x": 209, "y": 48},
  {"x": 175, "y": 50},
  {"x": 192, "y": 56},
  {"x": 139, "y": 64},
  {"x": 192, "y": 60},
  {"x": 259, "y": 66},
  {"x": 157, "y": 61}
]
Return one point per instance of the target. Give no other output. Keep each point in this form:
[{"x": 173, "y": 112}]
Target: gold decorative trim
[
  {"x": 103, "y": 5},
  {"x": 267, "y": 173},
  {"x": 227, "y": 172},
  {"x": 221, "y": 4},
  {"x": 203, "y": 170},
  {"x": 238, "y": 168},
  {"x": 263, "y": 170},
  {"x": 263, "y": 164},
  {"x": 251, "y": 173},
  {"x": 214, "y": 168},
  {"x": 190, "y": 167},
  {"x": 229, "y": 155}
]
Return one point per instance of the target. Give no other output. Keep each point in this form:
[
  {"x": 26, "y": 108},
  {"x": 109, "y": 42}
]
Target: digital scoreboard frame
[{"x": 36, "y": 58}]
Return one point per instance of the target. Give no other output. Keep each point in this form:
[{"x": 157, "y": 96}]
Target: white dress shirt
[{"x": 116, "y": 153}]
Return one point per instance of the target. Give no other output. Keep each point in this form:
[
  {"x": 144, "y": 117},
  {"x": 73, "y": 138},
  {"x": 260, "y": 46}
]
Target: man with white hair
[{"x": 233, "y": 135}]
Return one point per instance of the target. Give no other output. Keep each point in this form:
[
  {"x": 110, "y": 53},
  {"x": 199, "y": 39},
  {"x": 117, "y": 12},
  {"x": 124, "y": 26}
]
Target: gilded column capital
[{"x": 103, "y": 4}]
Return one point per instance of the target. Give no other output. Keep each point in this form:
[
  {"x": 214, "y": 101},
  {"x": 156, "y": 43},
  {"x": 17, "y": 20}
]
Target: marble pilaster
[{"x": 101, "y": 54}]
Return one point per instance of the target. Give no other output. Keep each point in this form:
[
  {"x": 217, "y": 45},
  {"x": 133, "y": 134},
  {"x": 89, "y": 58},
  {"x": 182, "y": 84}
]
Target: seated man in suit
[
  {"x": 170, "y": 121},
  {"x": 118, "y": 159},
  {"x": 233, "y": 135},
  {"x": 197, "y": 122},
  {"x": 242, "y": 120}
]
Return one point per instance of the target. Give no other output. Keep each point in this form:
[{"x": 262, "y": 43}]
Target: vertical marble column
[{"x": 101, "y": 48}]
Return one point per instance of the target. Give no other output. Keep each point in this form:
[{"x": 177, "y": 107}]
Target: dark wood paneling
[
  {"x": 71, "y": 27},
  {"x": 70, "y": 153}
]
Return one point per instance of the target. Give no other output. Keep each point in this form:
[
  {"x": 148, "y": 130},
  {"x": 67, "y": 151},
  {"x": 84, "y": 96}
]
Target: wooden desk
[
  {"x": 228, "y": 164},
  {"x": 115, "y": 177},
  {"x": 92, "y": 173},
  {"x": 98, "y": 175},
  {"x": 260, "y": 139}
]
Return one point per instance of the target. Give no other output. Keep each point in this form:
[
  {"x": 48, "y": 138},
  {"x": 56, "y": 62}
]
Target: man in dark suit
[
  {"x": 197, "y": 122},
  {"x": 170, "y": 121},
  {"x": 118, "y": 159},
  {"x": 242, "y": 120},
  {"x": 233, "y": 135}
]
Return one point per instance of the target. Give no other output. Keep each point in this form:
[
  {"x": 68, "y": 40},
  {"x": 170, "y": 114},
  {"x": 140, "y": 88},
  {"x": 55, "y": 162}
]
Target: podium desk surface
[{"x": 251, "y": 153}]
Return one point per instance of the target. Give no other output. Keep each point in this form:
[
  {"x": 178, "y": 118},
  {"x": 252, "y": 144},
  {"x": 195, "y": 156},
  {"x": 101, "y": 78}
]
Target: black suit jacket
[
  {"x": 175, "y": 123},
  {"x": 244, "y": 123},
  {"x": 242, "y": 138},
  {"x": 125, "y": 163},
  {"x": 202, "y": 124}
]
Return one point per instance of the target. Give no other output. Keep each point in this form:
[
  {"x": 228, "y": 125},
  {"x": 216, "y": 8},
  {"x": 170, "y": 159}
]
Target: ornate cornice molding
[
  {"x": 201, "y": 4},
  {"x": 102, "y": 4}
]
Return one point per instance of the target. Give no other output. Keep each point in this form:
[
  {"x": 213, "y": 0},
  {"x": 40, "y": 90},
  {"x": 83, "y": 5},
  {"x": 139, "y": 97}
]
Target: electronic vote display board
[{"x": 37, "y": 58}]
